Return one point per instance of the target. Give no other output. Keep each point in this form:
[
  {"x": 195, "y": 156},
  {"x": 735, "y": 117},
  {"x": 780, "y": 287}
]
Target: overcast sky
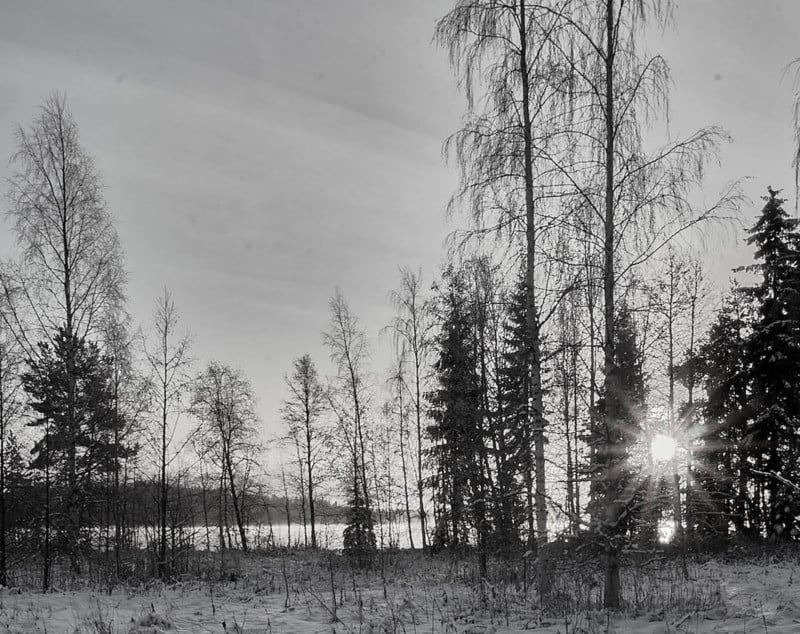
[{"x": 258, "y": 153}]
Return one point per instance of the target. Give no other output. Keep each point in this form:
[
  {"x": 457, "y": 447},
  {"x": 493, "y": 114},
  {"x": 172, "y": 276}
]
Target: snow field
[{"x": 294, "y": 594}]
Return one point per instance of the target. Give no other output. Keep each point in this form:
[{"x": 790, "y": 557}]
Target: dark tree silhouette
[{"x": 71, "y": 389}]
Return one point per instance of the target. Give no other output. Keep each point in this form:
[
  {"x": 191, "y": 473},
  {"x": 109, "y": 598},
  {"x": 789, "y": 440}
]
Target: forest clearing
[{"x": 458, "y": 316}]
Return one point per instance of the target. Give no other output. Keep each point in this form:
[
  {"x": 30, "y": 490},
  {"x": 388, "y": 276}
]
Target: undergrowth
[{"x": 400, "y": 592}]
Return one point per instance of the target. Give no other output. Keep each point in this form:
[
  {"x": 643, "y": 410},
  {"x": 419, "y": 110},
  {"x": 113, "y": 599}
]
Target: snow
[{"x": 416, "y": 596}]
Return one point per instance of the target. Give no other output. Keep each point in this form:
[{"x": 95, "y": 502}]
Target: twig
[
  {"x": 683, "y": 620},
  {"x": 779, "y": 478},
  {"x": 285, "y": 582},
  {"x": 333, "y": 584},
  {"x": 335, "y": 618}
]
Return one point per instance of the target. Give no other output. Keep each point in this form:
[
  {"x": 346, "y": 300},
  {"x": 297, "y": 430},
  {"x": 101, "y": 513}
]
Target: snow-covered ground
[{"x": 293, "y": 595}]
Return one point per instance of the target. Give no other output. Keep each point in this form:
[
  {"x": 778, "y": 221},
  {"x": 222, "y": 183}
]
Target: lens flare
[{"x": 663, "y": 448}]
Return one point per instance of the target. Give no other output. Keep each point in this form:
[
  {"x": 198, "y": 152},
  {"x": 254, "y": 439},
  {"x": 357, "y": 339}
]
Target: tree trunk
[
  {"x": 312, "y": 515},
  {"x": 676, "y": 497},
  {"x": 72, "y": 431},
  {"x": 47, "y": 514},
  {"x": 536, "y": 413},
  {"x": 236, "y": 499},
  {"x": 404, "y": 467},
  {"x": 204, "y": 493},
  {"x": 3, "y": 425},
  {"x": 575, "y": 410},
  {"x": 302, "y": 488},
  {"x": 566, "y": 410},
  {"x": 222, "y": 518},
  {"x": 593, "y": 422},
  {"x": 162, "y": 506},
  {"x": 690, "y": 405},
  {"x": 611, "y": 597},
  {"x": 117, "y": 504},
  {"x": 288, "y": 511},
  {"x": 418, "y": 412}
]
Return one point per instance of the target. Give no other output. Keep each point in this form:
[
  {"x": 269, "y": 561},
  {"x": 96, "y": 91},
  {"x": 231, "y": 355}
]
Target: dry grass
[{"x": 402, "y": 592}]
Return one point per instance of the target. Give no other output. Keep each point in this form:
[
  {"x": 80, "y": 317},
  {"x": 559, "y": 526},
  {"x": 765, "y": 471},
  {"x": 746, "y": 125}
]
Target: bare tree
[
  {"x": 412, "y": 329},
  {"x": 129, "y": 403},
  {"x": 566, "y": 381},
  {"x": 224, "y": 402},
  {"x": 349, "y": 352},
  {"x": 696, "y": 289},
  {"x": 398, "y": 407},
  {"x": 302, "y": 412},
  {"x": 168, "y": 361},
  {"x": 670, "y": 297},
  {"x": 71, "y": 273}
]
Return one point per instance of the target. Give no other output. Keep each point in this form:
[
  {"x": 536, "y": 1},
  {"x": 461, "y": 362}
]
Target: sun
[{"x": 663, "y": 448}]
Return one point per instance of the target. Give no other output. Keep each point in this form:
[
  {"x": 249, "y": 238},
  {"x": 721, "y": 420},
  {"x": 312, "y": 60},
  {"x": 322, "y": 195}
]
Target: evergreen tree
[
  {"x": 359, "y": 540},
  {"x": 774, "y": 347},
  {"x": 632, "y": 392},
  {"x": 514, "y": 435},
  {"x": 613, "y": 443},
  {"x": 70, "y": 386},
  {"x": 22, "y": 504},
  {"x": 455, "y": 409},
  {"x": 722, "y": 469},
  {"x": 486, "y": 319}
]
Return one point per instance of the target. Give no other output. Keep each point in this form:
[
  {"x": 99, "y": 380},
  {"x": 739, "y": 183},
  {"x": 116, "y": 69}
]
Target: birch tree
[
  {"x": 412, "y": 330},
  {"x": 71, "y": 270},
  {"x": 398, "y": 408},
  {"x": 129, "y": 402},
  {"x": 224, "y": 402},
  {"x": 349, "y": 352},
  {"x": 302, "y": 412},
  {"x": 168, "y": 360}
]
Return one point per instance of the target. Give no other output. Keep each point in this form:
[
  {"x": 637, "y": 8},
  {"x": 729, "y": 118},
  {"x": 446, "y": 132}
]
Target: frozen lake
[{"x": 329, "y": 535}]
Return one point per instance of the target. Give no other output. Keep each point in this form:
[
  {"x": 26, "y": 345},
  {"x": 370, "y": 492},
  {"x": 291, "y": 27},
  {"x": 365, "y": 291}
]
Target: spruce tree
[
  {"x": 455, "y": 406},
  {"x": 774, "y": 348},
  {"x": 515, "y": 478},
  {"x": 70, "y": 385},
  {"x": 629, "y": 362},
  {"x": 21, "y": 504},
  {"x": 613, "y": 443},
  {"x": 722, "y": 468},
  {"x": 359, "y": 535}
]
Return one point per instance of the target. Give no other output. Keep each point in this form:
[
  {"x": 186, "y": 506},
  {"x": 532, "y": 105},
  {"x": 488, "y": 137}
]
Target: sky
[{"x": 257, "y": 154}]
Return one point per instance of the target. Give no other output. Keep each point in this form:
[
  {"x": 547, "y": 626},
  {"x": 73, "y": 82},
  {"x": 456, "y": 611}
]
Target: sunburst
[{"x": 663, "y": 448}]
